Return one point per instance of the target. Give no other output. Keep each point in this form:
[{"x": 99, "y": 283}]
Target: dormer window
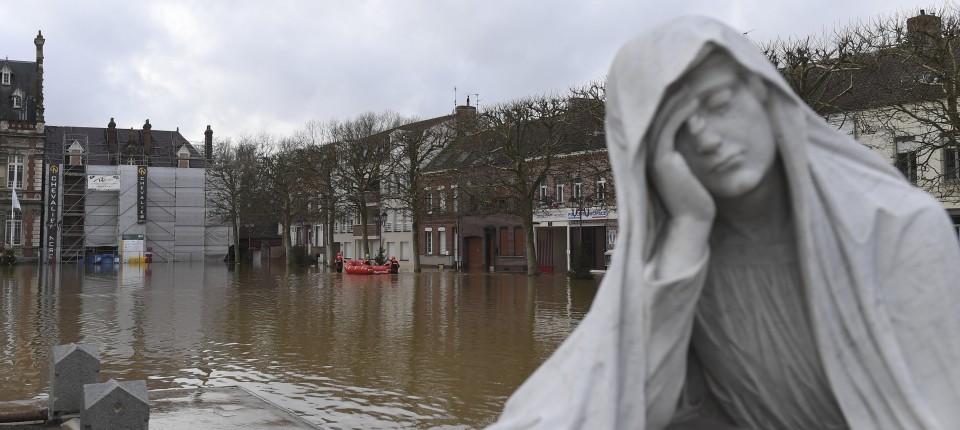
[
  {"x": 17, "y": 99},
  {"x": 76, "y": 153},
  {"x": 5, "y": 75},
  {"x": 183, "y": 157}
]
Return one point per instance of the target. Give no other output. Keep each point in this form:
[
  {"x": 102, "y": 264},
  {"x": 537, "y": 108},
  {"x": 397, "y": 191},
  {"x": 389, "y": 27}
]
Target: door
[
  {"x": 545, "y": 250},
  {"x": 474, "y": 254}
]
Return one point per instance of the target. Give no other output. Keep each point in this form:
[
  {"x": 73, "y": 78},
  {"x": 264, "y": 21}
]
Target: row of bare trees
[
  {"x": 325, "y": 172},
  {"x": 892, "y": 81}
]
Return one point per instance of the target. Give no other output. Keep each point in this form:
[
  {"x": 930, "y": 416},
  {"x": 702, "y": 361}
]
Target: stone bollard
[
  {"x": 72, "y": 366},
  {"x": 115, "y": 405}
]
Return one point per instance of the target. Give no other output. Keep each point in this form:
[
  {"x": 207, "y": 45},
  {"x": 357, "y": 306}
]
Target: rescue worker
[{"x": 394, "y": 265}]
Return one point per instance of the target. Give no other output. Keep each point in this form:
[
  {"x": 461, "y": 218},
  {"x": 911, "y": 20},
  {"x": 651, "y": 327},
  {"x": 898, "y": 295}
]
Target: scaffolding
[{"x": 93, "y": 219}]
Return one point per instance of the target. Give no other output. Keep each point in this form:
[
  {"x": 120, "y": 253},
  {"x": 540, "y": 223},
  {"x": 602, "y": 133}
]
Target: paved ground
[{"x": 209, "y": 408}]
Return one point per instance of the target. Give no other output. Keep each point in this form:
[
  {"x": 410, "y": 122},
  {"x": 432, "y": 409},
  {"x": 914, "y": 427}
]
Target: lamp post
[{"x": 582, "y": 204}]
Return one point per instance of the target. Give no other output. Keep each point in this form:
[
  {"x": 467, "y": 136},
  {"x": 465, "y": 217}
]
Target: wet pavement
[{"x": 211, "y": 408}]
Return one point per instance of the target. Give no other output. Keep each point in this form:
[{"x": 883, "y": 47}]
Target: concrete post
[
  {"x": 115, "y": 405},
  {"x": 72, "y": 366}
]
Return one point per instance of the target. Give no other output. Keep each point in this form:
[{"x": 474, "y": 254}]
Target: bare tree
[
  {"x": 231, "y": 180},
  {"x": 523, "y": 138},
  {"x": 284, "y": 193},
  {"x": 363, "y": 149},
  {"x": 320, "y": 167},
  {"x": 413, "y": 147},
  {"x": 892, "y": 82}
]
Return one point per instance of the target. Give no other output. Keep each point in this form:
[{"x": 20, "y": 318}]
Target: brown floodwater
[{"x": 345, "y": 351}]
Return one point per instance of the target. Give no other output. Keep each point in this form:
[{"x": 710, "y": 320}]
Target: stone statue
[{"x": 771, "y": 272}]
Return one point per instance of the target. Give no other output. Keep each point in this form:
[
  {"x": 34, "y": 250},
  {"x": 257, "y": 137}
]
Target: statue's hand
[{"x": 684, "y": 197}]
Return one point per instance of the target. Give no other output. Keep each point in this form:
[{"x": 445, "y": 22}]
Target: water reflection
[{"x": 438, "y": 349}]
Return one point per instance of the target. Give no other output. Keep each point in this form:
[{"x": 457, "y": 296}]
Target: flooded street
[{"x": 344, "y": 351}]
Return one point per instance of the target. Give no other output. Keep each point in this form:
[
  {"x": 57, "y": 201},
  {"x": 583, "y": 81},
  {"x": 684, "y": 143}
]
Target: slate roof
[
  {"x": 164, "y": 153},
  {"x": 24, "y": 77},
  {"x": 582, "y": 130},
  {"x": 885, "y": 78}
]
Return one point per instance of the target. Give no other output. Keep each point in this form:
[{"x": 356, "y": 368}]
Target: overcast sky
[{"x": 246, "y": 66}]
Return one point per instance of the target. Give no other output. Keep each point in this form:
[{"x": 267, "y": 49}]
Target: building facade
[
  {"x": 21, "y": 151},
  {"x": 128, "y": 193}
]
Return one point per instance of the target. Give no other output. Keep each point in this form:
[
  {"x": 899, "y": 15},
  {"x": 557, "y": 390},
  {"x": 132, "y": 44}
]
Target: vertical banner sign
[
  {"x": 141, "y": 194},
  {"x": 53, "y": 211}
]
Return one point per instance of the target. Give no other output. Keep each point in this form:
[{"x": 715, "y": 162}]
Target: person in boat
[
  {"x": 771, "y": 272},
  {"x": 366, "y": 260},
  {"x": 338, "y": 263},
  {"x": 394, "y": 265}
]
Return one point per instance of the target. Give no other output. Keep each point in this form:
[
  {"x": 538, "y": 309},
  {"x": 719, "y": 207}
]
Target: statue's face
[{"x": 728, "y": 141}]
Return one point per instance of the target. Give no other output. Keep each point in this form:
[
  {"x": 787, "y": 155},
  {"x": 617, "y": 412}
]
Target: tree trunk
[
  {"x": 328, "y": 233},
  {"x": 415, "y": 242},
  {"x": 236, "y": 240},
  {"x": 287, "y": 243},
  {"x": 529, "y": 248},
  {"x": 365, "y": 235}
]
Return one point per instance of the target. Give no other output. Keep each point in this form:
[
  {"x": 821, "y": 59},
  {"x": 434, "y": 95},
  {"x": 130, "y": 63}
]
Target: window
[
  {"x": 951, "y": 165},
  {"x": 907, "y": 164},
  {"x": 318, "y": 235},
  {"x": 16, "y": 102},
  {"x": 601, "y": 188},
  {"x": 391, "y": 249},
  {"x": 404, "y": 251},
  {"x": 428, "y": 241},
  {"x": 442, "y": 200},
  {"x": 906, "y": 161},
  {"x": 14, "y": 171},
  {"x": 442, "y": 240},
  {"x": 429, "y": 200},
  {"x": 560, "y": 193},
  {"x": 518, "y": 241},
  {"x": 577, "y": 187},
  {"x": 505, "y": 247},
  {"x": 347, "y": 252},
  {"x": 13, "y": 233},
  {"x": 543, "y": 190},
  {"x": 5, "y": 76}
]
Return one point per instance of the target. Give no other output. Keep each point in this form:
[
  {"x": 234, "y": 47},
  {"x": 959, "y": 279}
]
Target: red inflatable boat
[{"x": 357, "y": 268}]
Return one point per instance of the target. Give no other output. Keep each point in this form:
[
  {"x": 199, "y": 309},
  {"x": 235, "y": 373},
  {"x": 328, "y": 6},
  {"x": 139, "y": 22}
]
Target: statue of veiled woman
[{"x": 771, "y": 272}]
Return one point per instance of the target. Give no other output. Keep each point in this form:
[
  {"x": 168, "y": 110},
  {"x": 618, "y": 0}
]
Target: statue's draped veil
[{"x": 598, "y": 378}]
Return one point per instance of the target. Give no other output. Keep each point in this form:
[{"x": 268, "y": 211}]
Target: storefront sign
[
  {"x": 132, "y": 245},
  {"x": 53, "y": 211},
  {"x": 103, "y": 182},
  {"x": 141, "y": 194},
  {"x": 574, "y": 214}
]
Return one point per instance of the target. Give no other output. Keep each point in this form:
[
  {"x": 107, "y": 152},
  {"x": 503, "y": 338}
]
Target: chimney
[
  {"x": 208, "y": 143},
  {"x": 112, "y": 137},
  {"x": 38, "y": 41},
  {"x": 924, "y": 30},
  {"x": 147, "y": 140},
  {"x": 465, "y": 112}
]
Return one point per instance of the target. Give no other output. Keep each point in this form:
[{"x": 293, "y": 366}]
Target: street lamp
[{"x": 582, "y": 204}]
